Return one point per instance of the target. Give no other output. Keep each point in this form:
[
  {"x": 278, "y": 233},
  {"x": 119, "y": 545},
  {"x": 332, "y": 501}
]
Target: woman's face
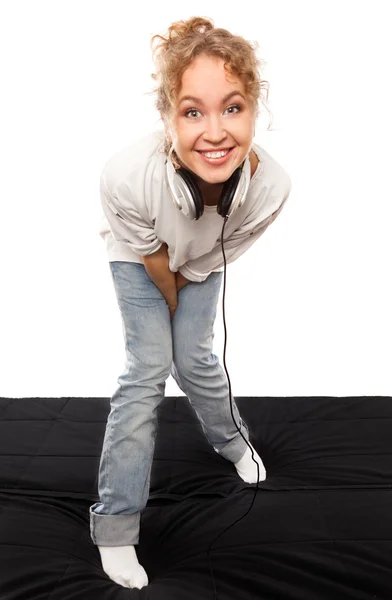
[{"x": 211, "y": 121}]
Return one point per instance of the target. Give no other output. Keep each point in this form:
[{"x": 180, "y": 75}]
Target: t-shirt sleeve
[
  {"x": 241, "y": 239},
  {"x": 128, "y": 223}
]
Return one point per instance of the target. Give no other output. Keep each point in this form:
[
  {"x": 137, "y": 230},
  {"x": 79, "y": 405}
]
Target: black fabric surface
[{"x": 320, "y": 527}]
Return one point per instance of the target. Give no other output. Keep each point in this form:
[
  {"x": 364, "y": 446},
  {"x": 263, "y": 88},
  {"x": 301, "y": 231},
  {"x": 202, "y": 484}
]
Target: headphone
[{"x": 187, "y": 197}]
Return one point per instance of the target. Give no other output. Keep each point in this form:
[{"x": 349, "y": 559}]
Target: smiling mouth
[
  {"x": 215, "y": 160},
  {"x": 212, "y": 151}
]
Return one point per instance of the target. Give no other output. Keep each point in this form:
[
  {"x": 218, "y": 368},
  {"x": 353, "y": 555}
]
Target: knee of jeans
[
  {"x": 150, "y": 365},
  {"x": 162, "y": 368},
  {"x": 186, "y": 365}
]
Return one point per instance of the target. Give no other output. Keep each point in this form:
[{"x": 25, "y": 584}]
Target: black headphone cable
[{"x": 232, "y": 416}]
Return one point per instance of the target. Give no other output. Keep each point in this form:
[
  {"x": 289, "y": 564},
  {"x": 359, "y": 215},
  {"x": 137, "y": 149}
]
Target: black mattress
[{"x": 320, "y": 527}]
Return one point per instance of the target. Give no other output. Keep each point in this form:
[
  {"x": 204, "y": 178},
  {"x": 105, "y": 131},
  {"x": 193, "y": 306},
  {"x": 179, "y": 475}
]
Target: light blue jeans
[{"x": 155, "y": 348}]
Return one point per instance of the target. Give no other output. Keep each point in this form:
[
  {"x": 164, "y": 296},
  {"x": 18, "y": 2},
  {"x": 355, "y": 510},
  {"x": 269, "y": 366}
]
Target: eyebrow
[{"x": 224, "y": 99}]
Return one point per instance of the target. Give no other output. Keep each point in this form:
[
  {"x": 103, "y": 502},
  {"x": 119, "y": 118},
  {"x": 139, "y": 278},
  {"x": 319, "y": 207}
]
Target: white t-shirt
[{"x": 139, "y": 213}]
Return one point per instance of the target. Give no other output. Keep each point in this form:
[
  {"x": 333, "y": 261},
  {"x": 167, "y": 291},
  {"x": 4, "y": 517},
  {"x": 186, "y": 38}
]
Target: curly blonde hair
[{"x": 184, "y": 41}]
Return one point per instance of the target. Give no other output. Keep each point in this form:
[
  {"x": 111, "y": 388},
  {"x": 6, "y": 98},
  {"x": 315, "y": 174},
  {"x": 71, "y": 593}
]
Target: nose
[{"x": 214, "y": 131}]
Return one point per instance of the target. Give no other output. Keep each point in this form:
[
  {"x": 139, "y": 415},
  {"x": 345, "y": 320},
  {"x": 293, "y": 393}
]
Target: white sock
[
  {"x": 247, "y": 469},
  {"x": 122, "y": 566}
]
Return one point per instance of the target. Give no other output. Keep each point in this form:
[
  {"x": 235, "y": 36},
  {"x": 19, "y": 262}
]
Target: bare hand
[{"x": 172, "y": 310}]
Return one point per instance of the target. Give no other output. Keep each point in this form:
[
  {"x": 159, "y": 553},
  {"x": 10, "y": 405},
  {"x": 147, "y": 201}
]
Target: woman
[{"x": 167, "y": 268}]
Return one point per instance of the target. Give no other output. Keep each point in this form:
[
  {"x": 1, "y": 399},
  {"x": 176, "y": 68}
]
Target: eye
[
  {"x": 195, "y": 110},
  {"x": 235, "y": 106}
]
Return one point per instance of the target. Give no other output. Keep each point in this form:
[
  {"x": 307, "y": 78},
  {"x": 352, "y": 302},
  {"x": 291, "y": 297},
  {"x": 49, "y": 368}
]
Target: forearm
[{"x": 157, "y": 268}]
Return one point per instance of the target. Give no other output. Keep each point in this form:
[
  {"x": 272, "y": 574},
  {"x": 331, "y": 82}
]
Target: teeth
[{"x": 215, "y": 154}]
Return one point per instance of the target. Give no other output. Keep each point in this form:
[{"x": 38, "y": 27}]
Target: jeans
[{"x": 155, "y": 347}]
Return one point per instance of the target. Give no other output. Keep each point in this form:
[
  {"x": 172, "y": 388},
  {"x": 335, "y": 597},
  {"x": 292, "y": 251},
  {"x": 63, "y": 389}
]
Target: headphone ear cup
[
  {"x": 228, "y": 192},
  {"x": 194, "y": 189}
]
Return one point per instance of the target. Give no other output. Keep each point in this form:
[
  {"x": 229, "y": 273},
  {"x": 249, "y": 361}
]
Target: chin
[
  {"x": 214, "y": 174},
  {"x": 217, "y": 178}
]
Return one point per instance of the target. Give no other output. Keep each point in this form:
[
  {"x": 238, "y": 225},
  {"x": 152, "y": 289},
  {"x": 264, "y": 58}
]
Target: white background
[{"x": 308, "y": 306}]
